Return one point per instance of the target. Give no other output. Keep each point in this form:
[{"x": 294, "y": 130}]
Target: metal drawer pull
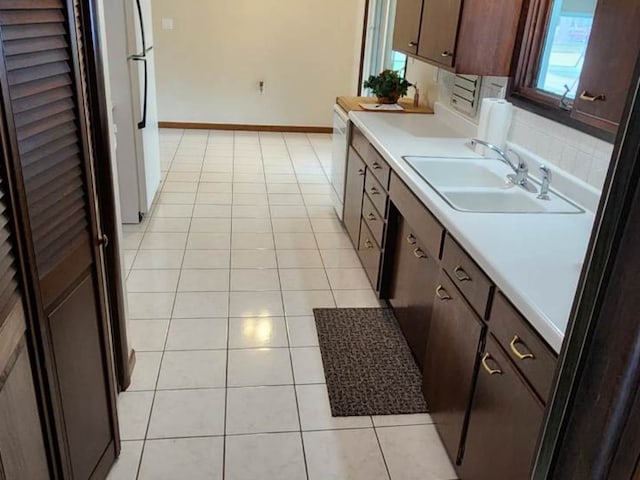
[
  {"x": 375, "y": 191},
  {"x": 442, "y": 294},
  {"x": 486, "y": 366},
  {"x": 377, "y": 166},
  {"x": 446, "y": 53},
  {"x": 361, "y": 171},
  {"x": 368, "y": 245},
  {"x": 371, "y": 217},
  {"x": 413, "y": 44},
  {"x": 419, "y": 253},
  {"x": 521, "y": 356},
  {"x": 461, "y": 274},
  {"x": 411, "y": 239},
  {"x": 587, "y": 97}
]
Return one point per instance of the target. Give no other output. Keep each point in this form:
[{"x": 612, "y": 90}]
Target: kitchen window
[
  {"x": 552, "y": 56},
  {"x": 565, "y": 46}
]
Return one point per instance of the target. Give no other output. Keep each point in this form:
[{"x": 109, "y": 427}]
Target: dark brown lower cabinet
[
  {"x": 451, "y": 363},
  {"x": 505, "y": 422},
  {"x": 354, "y": 194},
  {"x": 413, "y": 279},
  {"x": 370, "y": 254}
]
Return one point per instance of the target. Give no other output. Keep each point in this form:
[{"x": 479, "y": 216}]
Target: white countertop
[{"x": 534, "y": 259}]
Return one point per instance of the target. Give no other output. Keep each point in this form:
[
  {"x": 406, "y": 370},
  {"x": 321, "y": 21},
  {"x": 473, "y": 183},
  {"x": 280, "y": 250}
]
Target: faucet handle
[{"x": 547, "y": 178}]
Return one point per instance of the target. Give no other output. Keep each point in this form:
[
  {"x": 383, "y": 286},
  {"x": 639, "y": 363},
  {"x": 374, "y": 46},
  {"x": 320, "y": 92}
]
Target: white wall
[
  {"x": 210, "y": 65},
  {"x": 577, "y": 153}
]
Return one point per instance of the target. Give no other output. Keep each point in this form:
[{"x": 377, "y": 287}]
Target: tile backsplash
[{"x": 577, "y": 153}]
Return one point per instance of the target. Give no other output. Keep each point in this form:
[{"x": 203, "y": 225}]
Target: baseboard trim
[{"x": 248, "y": 128}]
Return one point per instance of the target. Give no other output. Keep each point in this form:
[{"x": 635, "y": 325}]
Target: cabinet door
[
  {"x": 608, "y": 66},
  {"x": 439, "y": 31},
  {"x": 45, "y": 101},
  {"x": 413, "y": 279},
  {"x": 406, "y": 32},
  {"x": 505, "y": 422},
  {"x": 354, "y": 193},
  {"x": 451, "y": 363}
]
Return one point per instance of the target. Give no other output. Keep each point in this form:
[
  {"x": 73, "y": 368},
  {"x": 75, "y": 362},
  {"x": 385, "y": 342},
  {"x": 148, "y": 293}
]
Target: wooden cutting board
[{"x": 352, "y": 104}]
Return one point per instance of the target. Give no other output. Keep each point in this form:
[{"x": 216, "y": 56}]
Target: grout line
[
  {"x": 295, "y": 391},
  {"x": 144, "y": 443}
]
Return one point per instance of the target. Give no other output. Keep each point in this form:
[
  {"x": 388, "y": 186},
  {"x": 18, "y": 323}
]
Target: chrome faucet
[
  {"x": 547, "y": 177},
  {"x": 520, "y": 177}
]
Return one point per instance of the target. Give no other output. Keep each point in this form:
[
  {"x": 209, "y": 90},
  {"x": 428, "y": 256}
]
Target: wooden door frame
[
  {"x": 124, "y": 356},
  {"x": 592, "y": 427}
]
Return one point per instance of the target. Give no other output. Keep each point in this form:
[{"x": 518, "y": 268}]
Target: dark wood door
[
  {"x": 609, "y": 63},
  {"x": 22, "y": 445},
  {"x": 439, "y": 31},
  {"x": 406, "y": 31},
  {"x": 43, "y": 95},
  {"x": 354, "y": 194},
  {"x": 413, "y": 279},
  {"x": 451, "y": 363},
  {"x": 505, "y": 422}
]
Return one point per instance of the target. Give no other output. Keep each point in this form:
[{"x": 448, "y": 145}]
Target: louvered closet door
[
  {"x": 42, "y": 89},
  {"x": 22, "y": 453}
]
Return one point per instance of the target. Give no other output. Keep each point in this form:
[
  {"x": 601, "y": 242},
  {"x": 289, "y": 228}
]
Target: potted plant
[{"x": 389, "y": 86}]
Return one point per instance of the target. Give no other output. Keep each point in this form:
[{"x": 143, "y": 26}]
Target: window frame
[{"x": 526, "y": 65}]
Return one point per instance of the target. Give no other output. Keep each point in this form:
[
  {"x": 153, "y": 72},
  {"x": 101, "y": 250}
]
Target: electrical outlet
[{"x": 167, "y": 24}]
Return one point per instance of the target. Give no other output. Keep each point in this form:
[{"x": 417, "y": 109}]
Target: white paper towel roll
[{"x": 496, "y": 116}]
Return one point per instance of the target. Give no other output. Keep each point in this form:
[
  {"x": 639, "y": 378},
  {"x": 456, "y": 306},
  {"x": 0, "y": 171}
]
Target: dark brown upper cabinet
[
  {"x": 475, "y": 37},
  {"x": 608, "y": 66},
  {"x": 487, "y": 36},
  {"x": 406, "y": 33},
  {"x": 439, "y": 31}
]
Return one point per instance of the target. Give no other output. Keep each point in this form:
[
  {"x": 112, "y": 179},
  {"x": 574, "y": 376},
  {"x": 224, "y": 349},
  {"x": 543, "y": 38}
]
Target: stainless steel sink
[{"x": 478, "y": 185}]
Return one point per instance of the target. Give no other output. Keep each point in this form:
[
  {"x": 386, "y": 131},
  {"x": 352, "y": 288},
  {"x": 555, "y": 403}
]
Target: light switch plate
[{"x": 167, "y": 23}]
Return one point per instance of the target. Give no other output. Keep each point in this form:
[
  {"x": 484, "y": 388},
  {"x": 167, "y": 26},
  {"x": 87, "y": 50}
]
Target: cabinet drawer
[
  {"x": 359, "y": 142},
  {"x": 378, "y": 166},
  {"x": 354, "y": 191},
  {"x": 370, "y": 254},
  {"x": 524, "y": 346},
  {"x": 373, "y": 220},
  {"x": 377, "y": 194},
  {"x": 467, "y": 276},
  {"x": 425, "y": 226}
]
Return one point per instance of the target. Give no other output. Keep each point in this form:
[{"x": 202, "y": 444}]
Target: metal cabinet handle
[
  {"x": 374, "y": 191},
  {"x": 418, "y": 253},
  {"x": 413, "y": 44},
  {"x": 442, "y": 294},
  {"x": 377, "y": 166},
  {"x": 368, "y": 245},
  {"x": 446, "y": 53},
  {"x": 587, "y": 97},
  {"x": 461, "y": 275},
  {"x": 361, "y": 171},
  {"x": 487, "y": 368},
  {"x": 411, "y": 239},
  {"x": 521, "y": 356},
  {"x": 372, "y": 217}
]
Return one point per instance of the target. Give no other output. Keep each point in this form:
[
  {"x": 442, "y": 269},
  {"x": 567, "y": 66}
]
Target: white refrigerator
[{"x": 133, "y": 91}]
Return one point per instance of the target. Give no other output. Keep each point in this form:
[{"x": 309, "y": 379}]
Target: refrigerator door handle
[
  {"x": 142, "y": 32},
  {"x": 141, "y": 58}
]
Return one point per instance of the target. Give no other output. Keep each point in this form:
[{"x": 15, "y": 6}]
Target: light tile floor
[{"x": 222, "y": 278}]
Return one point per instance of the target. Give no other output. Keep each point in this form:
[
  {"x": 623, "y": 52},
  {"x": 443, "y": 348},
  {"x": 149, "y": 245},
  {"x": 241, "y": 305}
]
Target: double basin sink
[{"x": 479, "y": 185}]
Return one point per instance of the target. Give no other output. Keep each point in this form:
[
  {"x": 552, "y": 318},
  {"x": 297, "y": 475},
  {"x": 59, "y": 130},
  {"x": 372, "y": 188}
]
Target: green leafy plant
[{"x": 389, "y": 86}]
